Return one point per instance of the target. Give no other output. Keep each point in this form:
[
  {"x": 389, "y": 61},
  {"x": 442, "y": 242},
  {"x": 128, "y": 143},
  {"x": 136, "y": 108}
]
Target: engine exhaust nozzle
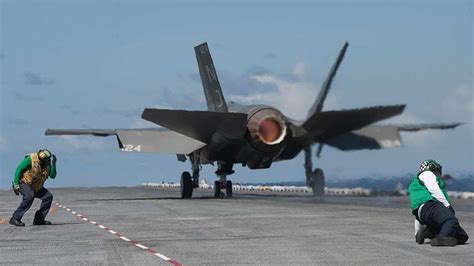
[{"x": 271, "y": 130}]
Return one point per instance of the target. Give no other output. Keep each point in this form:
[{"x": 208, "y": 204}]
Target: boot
[
  {"x": 424, "y": 232},
  {"x": 447, "y": 241},
  {"x": 43, "y": 222},
  {"x": 16, "y": 222},
  {"x": 39, "y": 220}
]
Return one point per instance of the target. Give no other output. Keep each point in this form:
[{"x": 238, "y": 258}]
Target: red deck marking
[{"x": 126, "y": 239}]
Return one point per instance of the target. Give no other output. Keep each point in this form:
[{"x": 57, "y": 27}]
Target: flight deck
[{"x": 145, "y": 226}]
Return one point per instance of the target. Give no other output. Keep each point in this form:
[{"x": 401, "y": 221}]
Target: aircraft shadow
[
  {"x": 154, "y": 198},
  {"x": 235, "y": 197}
]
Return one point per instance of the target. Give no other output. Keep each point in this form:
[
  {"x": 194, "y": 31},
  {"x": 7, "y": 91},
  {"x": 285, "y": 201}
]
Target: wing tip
[
  {"x": 455, "y": 125},
  {"x": 418, "y": 127},
  {"x": 201, "y": 44}
]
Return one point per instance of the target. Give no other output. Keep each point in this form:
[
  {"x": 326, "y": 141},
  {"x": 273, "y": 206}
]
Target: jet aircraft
[{"x": 255, "y": 136}]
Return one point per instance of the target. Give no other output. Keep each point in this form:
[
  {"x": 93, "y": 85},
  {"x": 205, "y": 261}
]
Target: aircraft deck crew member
[
  {"x": 431, "y": 205},
  {"x": 29, "y": 179}
]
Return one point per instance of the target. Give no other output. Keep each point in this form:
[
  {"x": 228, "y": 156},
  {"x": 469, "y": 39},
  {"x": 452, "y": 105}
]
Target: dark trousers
[
  {"x": 28, "y": 197},
  {"x": 442, "y": 221}
]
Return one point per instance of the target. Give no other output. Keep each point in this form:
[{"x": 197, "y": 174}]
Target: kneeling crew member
[
  {"x": 432, "y": 208},
  {"x": 29, "y": 178}
]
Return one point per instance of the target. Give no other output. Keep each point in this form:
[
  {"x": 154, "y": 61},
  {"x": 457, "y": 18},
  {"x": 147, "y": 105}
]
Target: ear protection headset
[
  {"x": 45, "y": 152},
  {"x": 431, "y": 165}
]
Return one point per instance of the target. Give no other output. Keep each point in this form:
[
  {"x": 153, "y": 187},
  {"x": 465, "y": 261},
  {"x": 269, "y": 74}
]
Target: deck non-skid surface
[{"x": 264, "y": 228}]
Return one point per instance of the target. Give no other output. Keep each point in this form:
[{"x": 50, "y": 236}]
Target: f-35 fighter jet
[{"x": 255, "y": 135}]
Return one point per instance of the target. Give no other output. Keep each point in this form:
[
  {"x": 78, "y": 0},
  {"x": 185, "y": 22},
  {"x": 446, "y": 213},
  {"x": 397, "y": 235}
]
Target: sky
[{"x": 98, "y": 64}]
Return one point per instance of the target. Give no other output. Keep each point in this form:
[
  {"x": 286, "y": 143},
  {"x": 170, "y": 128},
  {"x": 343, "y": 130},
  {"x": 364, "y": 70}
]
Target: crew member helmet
[
  {"x": 44, "y": 155},
  {"x": 431, "y": 165}
]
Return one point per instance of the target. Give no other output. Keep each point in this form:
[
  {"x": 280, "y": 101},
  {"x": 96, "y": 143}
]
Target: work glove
[
  {"x": 451, "y": 209},
  {"x": 16, "y": 189},
  {"x": 53, "y": 159}
]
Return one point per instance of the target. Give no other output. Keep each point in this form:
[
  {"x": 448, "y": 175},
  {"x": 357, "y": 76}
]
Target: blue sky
[{"x": 91, "y": 64}]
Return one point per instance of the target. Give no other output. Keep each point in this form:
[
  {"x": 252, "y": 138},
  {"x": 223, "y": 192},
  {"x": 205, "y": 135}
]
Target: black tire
[
  {"x": 318, "y": 183},
  {"x": 186, "y": 185},
  {"x": 217, "y": 189},
  {"x": 228, "y": 189}
]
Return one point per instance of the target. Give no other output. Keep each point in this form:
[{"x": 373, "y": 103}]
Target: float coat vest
[
  {"x": 35, "y": 176},
  {"x": 419, "y": 194}
]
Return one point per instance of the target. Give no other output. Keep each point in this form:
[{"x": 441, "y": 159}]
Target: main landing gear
[
  {"x": 223, "y": 170},
  {"x": 317, "y": 182},
  {"x": 188, "y": 182},
  {"x": 314, "y": 178}
]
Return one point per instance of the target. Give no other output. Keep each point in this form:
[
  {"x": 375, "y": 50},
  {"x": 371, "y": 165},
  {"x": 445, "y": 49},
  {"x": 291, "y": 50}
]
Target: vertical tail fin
[
  {"x": 318, "y": 104},
  {"x": 210, "y": 82}
]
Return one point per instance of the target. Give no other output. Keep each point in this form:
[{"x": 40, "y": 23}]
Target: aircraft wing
[
  {"x": 380, "y": 136},
  {"x": 370, "y": 137},
  {"x": 418, "y": 127},
  {"x": 329, "y": 124},
  {"x": 157, "y": 140},
  {"x": 93, "y": 132}
]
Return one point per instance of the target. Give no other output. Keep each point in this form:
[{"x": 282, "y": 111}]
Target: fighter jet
[{"x": 255, "y": 136}]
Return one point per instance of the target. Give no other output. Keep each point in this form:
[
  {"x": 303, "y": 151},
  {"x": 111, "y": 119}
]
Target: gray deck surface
[{"x": 263, "y": 228}]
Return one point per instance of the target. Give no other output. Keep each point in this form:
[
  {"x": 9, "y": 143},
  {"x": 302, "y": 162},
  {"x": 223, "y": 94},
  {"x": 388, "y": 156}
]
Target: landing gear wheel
[
  {"x": 186, "y": 185},
  {"x": 317, "y": 182},
  {"x": 217, "y": 189},
  {"x": 228, "y": 189}
]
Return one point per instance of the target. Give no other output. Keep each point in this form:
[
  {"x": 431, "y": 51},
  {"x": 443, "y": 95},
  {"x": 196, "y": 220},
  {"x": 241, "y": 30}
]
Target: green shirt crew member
[
  {"x": 30, "y": 176},
  {"x": 431, "y": 206}
]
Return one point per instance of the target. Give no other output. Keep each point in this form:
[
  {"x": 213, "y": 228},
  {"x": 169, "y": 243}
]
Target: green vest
[{"x": 419, "y": 194}]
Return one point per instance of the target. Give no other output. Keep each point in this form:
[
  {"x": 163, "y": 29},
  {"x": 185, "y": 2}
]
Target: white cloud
[
  {"x": 299, "y": 70},
  {"x": 141, "y": 123},
  {"x": 423, "y": 138},
  {"x": 3, "y": 143},
  {"x": 81, "y": 142},
  {"x": 456, "y": 106},
  {"x": 405, "y": 118},
  {"x": 292, "y": 97},
  {"x": 460, "y": 99},
  {"x": 459, "y": 104},
  {"x": 414, "y": 139}
]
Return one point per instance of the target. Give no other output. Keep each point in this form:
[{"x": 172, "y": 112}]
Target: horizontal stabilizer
[
  {"x": 329, "y": 124},
  {"x": 199, "y": 125},
  {"x": 158, "y": 140},
  {"x": 370, "y": 137}
]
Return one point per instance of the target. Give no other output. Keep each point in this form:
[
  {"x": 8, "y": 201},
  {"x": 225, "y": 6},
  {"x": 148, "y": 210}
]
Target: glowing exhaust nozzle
[
  {"x": 271, "y": 130},
  {"x": 268, "y": 130}
]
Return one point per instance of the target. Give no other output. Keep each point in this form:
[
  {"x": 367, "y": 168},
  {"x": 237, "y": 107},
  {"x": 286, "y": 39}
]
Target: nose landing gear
[
  {"x": 223, "y": 170},
  {"x": 221, "y": 184}
]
